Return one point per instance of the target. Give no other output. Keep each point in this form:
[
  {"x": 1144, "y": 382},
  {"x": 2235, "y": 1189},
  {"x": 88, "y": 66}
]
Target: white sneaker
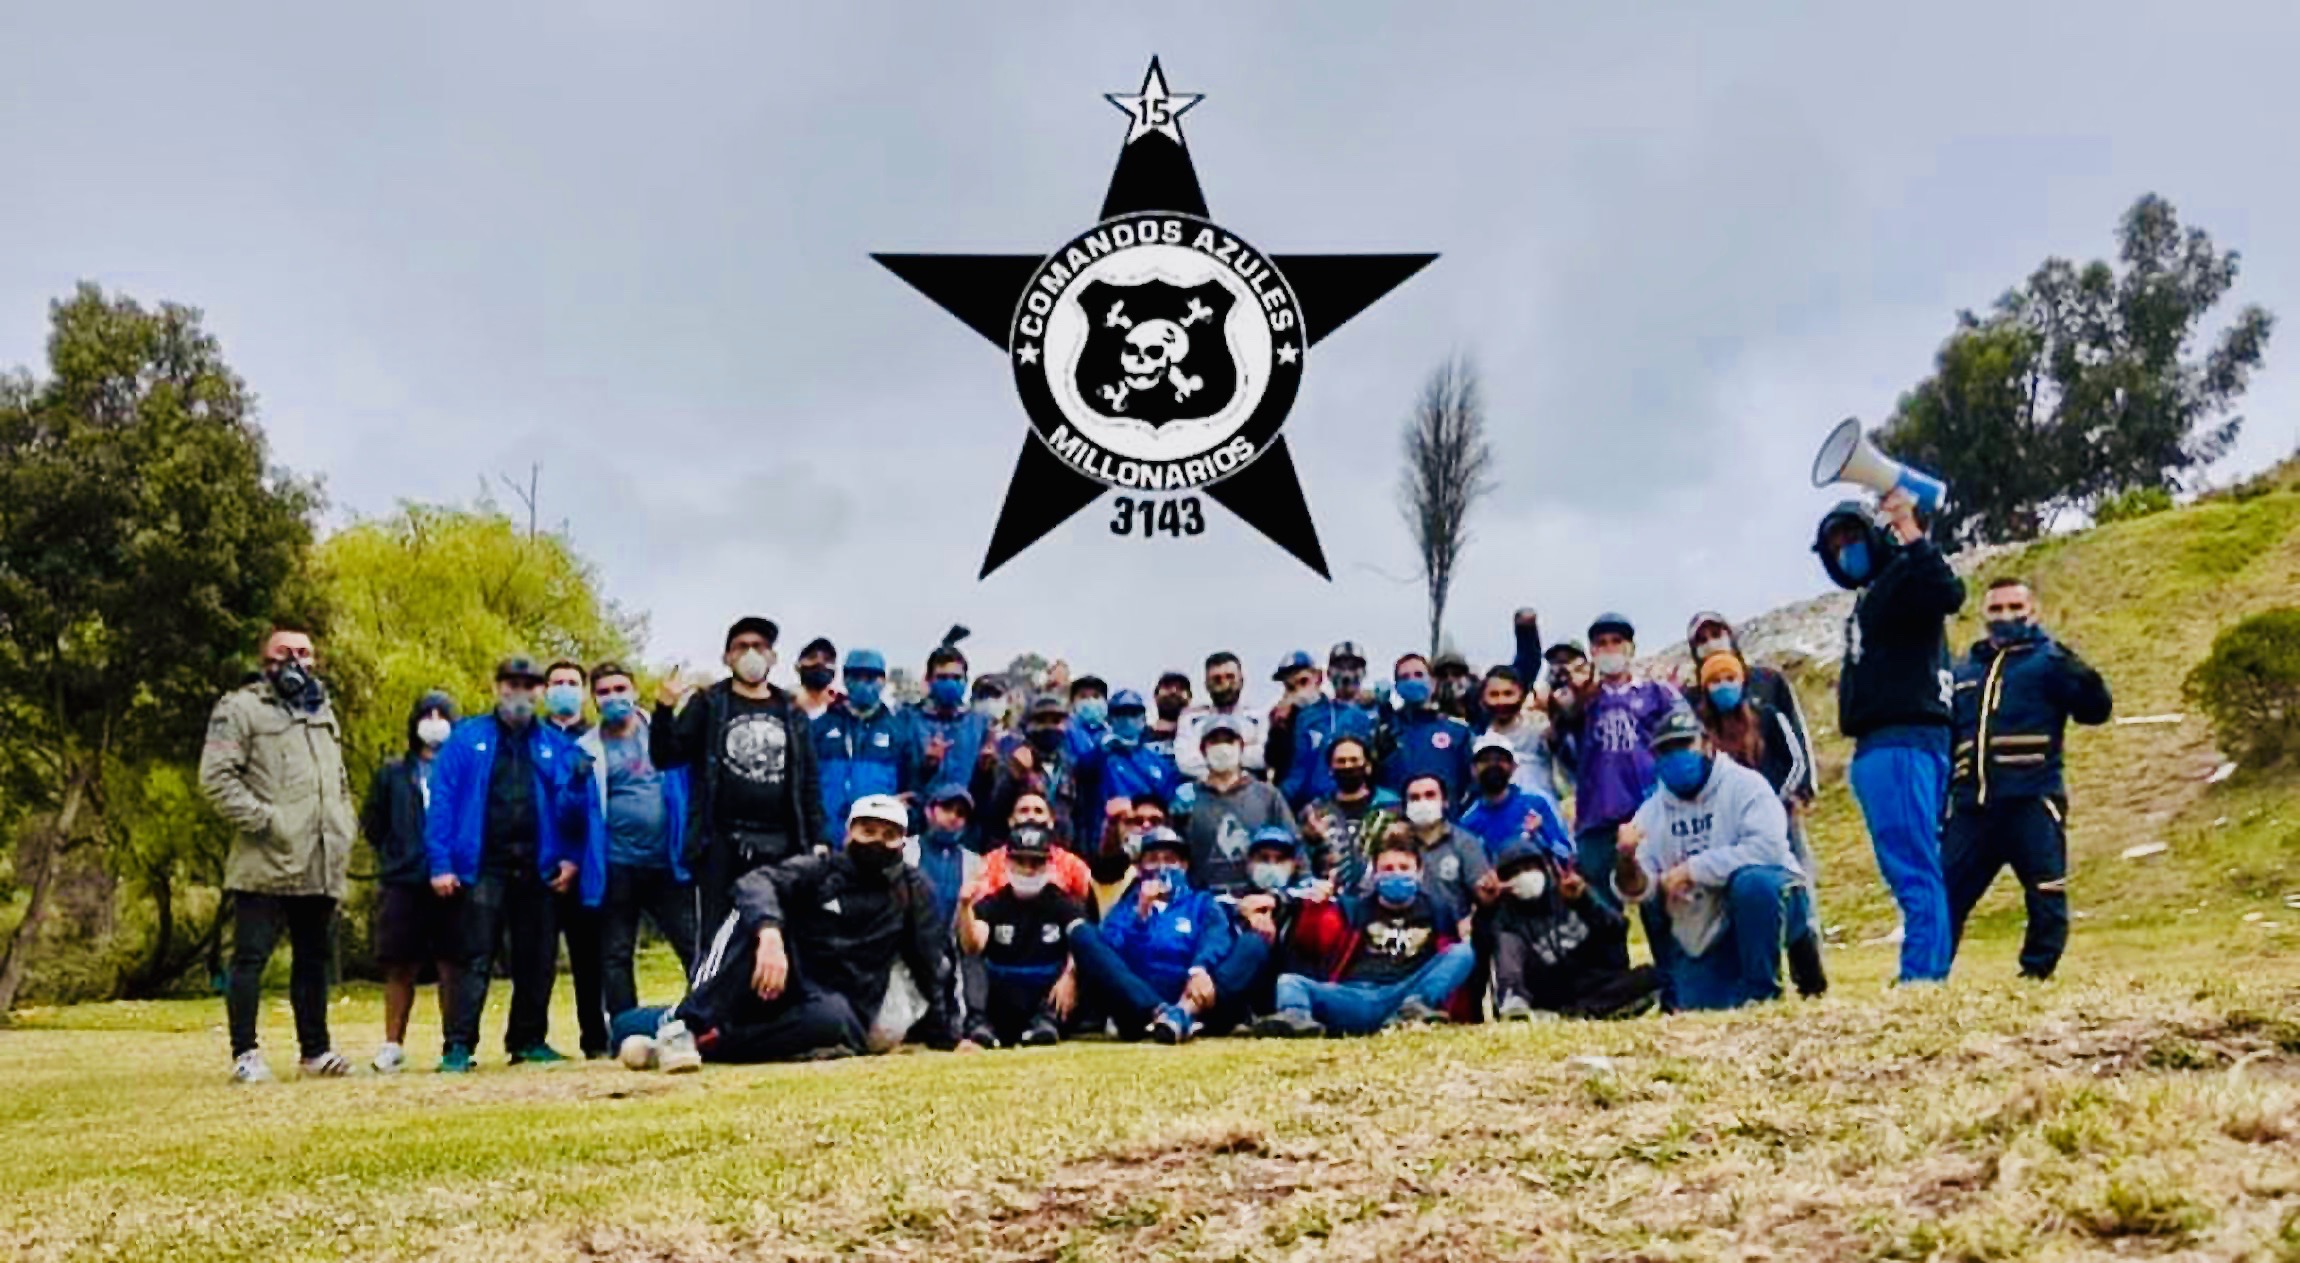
[
  {"x": 249, "y": 1067},
  {"x": 637, "y": 1052},
  {"x": 389, "y": 1058},
  {"x": 328, "y": 1065},
  {"x": 675, "y": 1051}
]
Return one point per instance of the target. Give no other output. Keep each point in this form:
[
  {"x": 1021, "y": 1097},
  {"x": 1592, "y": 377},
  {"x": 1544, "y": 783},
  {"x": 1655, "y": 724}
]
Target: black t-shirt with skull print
[
  {"x": 753, "y": 793},
  {"x": 1397, "y": 942}
]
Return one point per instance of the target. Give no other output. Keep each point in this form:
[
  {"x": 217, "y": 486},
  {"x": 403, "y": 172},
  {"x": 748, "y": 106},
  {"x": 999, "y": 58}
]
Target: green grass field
[{"x": 2145, "y": 1102}]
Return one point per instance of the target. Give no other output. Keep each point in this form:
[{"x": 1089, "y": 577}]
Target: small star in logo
[
  {"x": 1028, "y": 354},
  {"x": 1154, "y": 109},
  {"x": 1288, "y": 353}
]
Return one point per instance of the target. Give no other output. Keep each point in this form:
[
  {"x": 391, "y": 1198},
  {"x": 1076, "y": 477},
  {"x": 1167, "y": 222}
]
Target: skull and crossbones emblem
[{"x": 1154, "y": 351}]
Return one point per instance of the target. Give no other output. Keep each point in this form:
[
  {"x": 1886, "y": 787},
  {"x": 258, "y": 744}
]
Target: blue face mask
[
  {"x": 563, "y": 700},
  {"x": 863, "y": 691},
  {"x": 1397, "y": 889},
  {"x": 614, "y": 710},
  {"x": 1725, "y": 694},
  {"x": 1414, "y": 692},
  {"x": 1091, "y": 711},
  {"x": 1176, "y": 877},
  {"x": 947, "y": 690},
  {"x": 1683, "y": 771},
  {"x": 1853, "y": 560},
  {"x": 2006, "y": 631},
  {"x": 1127, "y": 728}
]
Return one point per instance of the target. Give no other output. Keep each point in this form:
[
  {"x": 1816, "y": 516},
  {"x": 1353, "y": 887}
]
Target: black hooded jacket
[
  {"x": 391, "y": 817},
  {"x": 844, "y": 928},
  {"x": 1896, "y": 669}
]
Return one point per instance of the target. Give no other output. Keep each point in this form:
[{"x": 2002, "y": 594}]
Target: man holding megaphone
[{"x": 1894, "y": 694}]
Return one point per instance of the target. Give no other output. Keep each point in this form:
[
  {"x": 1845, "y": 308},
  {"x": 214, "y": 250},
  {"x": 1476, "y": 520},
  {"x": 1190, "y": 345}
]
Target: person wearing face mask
[
  {"x": 273, "y": 766},
  {"x": 1454, "y": 865},
  {"x": 1521, "y": 718},
  {"x": 1279, "y": 887},
  {"x": 505, "y": 835},
  {"x": 1040, "y": 765},
  {"x": 1340, "y": 829},
  {"x": 949, "y": 742},
  {"x": 1224, "y": 808},
  {"x": 1707, "y": 863},
  {"x": 1756, "y": 736},
  {"x": 987, "y": 695},
  {"x": 1708, "y": 635},
  {"x": 1020, "y": 935},
  {"x": 1225, "y": 689},
  {"x": 1169, "y": 701},
  {"x": 1166, "y": 961},
  {"x": 859, "y": 739},
  {"x": 413, "y": 925},
  {"x": 1894, "y": 698},
  {"x": 564, "y": 684},
  {"x": 1559, "y": 951},
  {"x": 1089, "y": 715},
  {"x": 817, "y": 668},
  {"x": 951, "y": 851},
  {"x": 1312, "y": 723},
  {"x": 801, "y": 966},
  {"x": 635, "y": 865},
  {"x": 1031, "y": 810},
  {"x": 756, "y": 792},
  {"x": 1613, "y": 719},
  {"x": 1501, "y": 811},
  {"x": 1121, "y": 765},
  {"x": 1454, "y": 688},
  {"x": 1384, "y": 958},
  {"x": 1126, "y": 821},
  {"x": 2015, "y": 693},
  {"x": 1420, "y": 739}
]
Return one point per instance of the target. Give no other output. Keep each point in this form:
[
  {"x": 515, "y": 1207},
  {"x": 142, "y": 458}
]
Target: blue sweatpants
[{"x": 1901, "y": 784}]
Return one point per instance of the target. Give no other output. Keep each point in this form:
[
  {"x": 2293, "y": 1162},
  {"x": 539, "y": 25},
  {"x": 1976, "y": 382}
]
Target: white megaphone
[{"x": 1847, "y": 455}]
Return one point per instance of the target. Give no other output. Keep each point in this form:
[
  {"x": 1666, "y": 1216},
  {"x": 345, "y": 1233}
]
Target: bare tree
[{"x": 1448, "y": 469}]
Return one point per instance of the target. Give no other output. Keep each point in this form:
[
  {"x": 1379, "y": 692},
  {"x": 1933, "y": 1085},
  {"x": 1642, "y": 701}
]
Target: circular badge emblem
[
  {"x": 1440, "y": 740},
  {"x": 1157, "y": 352}
]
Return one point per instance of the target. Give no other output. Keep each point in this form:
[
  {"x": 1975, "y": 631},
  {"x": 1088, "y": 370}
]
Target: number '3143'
[{"x": 1148, "y": 518}]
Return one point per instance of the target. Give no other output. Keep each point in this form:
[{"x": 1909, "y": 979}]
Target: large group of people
[{"x": 840, "y": 873}]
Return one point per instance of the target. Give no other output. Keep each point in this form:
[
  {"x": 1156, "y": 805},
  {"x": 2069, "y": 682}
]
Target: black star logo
[{"x": 1154, "y": 173}]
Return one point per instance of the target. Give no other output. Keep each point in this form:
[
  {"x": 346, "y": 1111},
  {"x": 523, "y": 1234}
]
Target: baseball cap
[
  {"x": 1085, "y": 682},
  {"x": 519, "y": 667},
  {"x": 884, "y": 807},
  {"x": 1693, "y": 628},
  {"x": 1030, "y": 841},
  {"x": 1493, "y": 741},
  {"x": 1346, "y": 651},
  {"x": 753, "y": 623},
  {"x": 1220, "y": 723},
  {"x": 1449, "y": 659},
  {"x": 1563, "y": 651},
  {"x": 1277, "y": 837},
  {"x": 1165, "y": 839},
  {"x": 1046, "y": 704},
  {"x": 1616, "y": 623},
  {"x": 819, "y": 645},
  {"x": 1679, "y": 727},
  {"x": 1126, "y": 699},
  {"x": 866, "y": 660},
  {"x": 1298, "y": 660},
  {"x": 953, "y": 793}
]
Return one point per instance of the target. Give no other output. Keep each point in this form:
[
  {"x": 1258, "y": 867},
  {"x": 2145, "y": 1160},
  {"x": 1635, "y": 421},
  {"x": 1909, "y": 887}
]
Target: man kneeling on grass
[
  {"x": 1389, "y": 958},
  {"x": 800, "y": 967},
  {"x": 1164, "y": 961},
  {"x": 1021, "y": 931},
  {"x": 1706, "y": 862}
]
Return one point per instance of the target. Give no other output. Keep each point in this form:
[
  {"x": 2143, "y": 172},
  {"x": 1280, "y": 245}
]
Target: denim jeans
[
  {"x": 1763, "y": 902},
  {"x": 523, "y": 903},
  {"x": 1121, "y": 994},
  {"x": 1359, "y": 1008}
]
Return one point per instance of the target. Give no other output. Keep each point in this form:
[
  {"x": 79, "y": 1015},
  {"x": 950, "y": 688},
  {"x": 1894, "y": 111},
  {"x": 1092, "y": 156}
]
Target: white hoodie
[{"x": 1734, "y": 822}]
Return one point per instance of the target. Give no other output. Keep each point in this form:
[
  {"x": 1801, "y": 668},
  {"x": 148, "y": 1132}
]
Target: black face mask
[
  {"x": 1046, "y": 740},
  {"x": 816, "y": 678},
  {"x": 1505, "y": 714},
  {"x": 877, "y": 861},
  {"x": 1223, "y": 697},
  {"x": 1351, "y": 779},
  {"x": 1493, "y": 780},
  {"x": 1169, "y": 707},
  {"x": 295, "y": 685}
]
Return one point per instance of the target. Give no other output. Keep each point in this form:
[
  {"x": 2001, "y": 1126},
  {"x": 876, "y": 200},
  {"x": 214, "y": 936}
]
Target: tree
[
  {"x": 145, "y": 544},
  {"x": 2085, "y": 383},
  {"x": 1448, "y": 469}
]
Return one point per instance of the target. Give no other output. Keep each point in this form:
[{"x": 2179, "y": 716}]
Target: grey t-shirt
[
  {"x": 1221, "y": 828},
  {"x": 637, "y": 820}
]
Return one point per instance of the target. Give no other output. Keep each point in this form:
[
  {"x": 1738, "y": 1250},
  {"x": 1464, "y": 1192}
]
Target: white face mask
[
  {"x": 991, "y": 708},
  {"x": 1714, "y": 645},
  {"x": 1028, "y": 885},
  {"x": 1529, "y": 884},
  {"x": 1225, "y": 757},
  {"x": 1612, "y": 663},
  {"x": 751, "y": 666},
  {"x": 1269, "y": 876},
  {"x": 431, "y": 730},
  {"x": 1424, "y": 812}
]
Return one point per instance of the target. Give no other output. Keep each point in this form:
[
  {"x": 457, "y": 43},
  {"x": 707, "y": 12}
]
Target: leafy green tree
[
  {"x": 2085, "y": 383},
  {"x": 145, "y": 543}
]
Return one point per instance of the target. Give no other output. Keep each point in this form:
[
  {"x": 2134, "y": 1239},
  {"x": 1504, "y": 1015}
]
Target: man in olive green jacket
[{"x": 273, "y": 765}]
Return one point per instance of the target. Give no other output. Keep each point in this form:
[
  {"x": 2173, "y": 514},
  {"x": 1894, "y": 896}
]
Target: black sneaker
[
  {"x": 1805, "y": 967},
  {"x": 1041, "y": 1034},
  {"x": 1417, "y": 1012},
  {"x": 1288, "y": 1024}
]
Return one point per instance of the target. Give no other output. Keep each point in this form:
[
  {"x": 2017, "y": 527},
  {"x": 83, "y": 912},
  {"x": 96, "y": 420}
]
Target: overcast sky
[{"x": 632, "y": 241}]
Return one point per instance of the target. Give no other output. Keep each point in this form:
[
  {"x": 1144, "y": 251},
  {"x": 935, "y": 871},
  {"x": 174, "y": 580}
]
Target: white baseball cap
[
  {"x": 884, "y": 807},
  {"x": 1493, "y": 741}
]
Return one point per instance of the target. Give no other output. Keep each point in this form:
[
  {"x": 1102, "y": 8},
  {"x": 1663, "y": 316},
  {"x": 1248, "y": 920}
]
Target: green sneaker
[
  {"x": 539, "y": 1055},
  {"x": 455, "y": 1061}
]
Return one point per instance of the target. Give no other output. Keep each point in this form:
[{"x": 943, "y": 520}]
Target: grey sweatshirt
[{"x": 1734, "y": 822}]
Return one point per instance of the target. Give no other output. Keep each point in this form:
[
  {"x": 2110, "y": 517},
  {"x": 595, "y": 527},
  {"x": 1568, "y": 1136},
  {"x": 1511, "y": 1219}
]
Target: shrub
[
  {"x": 2249, "y": 685},
  {"x": 2137, "y": 503}
]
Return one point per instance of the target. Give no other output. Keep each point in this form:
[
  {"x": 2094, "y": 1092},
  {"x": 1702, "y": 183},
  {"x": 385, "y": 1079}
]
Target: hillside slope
[{"x": 2141, "y": 600}]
